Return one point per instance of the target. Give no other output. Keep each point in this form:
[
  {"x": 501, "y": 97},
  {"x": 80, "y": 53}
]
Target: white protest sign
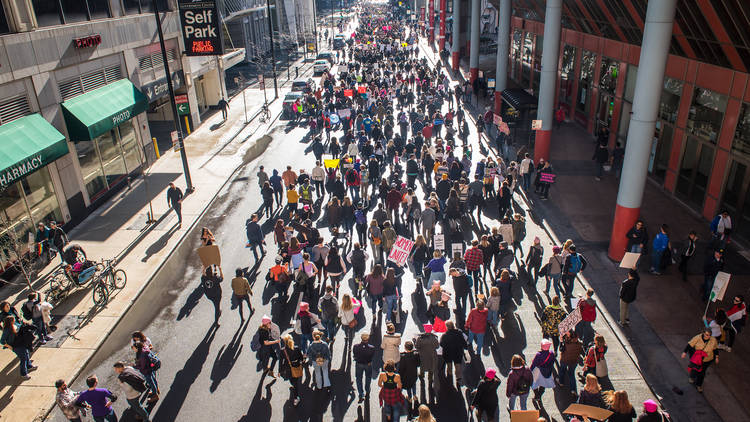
[
  {"x": 569, "y": 322},
  {"x": 457, "y": 248},
  {"x": 629, "y": 260},
  {"x": 439, "y": 241},
  {"x": 720, "y": 286},
  {"x": 400, "y": 251}
]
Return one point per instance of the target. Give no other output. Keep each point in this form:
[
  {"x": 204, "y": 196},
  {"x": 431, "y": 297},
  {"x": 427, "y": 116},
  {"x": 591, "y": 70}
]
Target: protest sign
[
  {"x": 344, "y": 113},
  {"x": 348, "y": 93},
  {"x": 497, "y": 119},
  {"x": 629, "y": 260},
  {"x": 209, "y": 255},
  {"x": 457, "y": 248},
  {"x": 439, "y": 241},
  {"x": 331, "y": 164},
  {"x": 720, "y": 286},
  {"x": 400, "y": 251},
  {"x": 547, "y": 177},
  {"x": 361, "y": 89},
  {"x": 569, "y": 322}
]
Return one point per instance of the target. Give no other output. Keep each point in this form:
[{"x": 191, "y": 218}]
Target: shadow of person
[
  {"x": 170, "y": 405},
  {"x": 190, "y": 302},
  {"x": 260, "y": 407},
  {"x": 159, "y": 244},
  {"x": 227, "y": 357}
]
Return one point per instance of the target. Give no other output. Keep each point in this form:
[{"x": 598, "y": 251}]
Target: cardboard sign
[
  {"x": 348, "y": 93},
  {"x": 497, "y": 119},
  {"x": 720, "y": 286},
  {"x": 209, "y": 255},
  {"x": 400, "y": 251},
  {"x": 457, "y": 248},
  {"x": 331, "y": 164},
  {"x": 592, "y": 412},
  {"x": 630, "y": 260},
  {"x": 536, "y": 125},
  {"x": 547, "y": 177},
  {"x": 439, "y": 241},
  {"x": 569, "y": 322},
  {"x": 524, "y": 415}
]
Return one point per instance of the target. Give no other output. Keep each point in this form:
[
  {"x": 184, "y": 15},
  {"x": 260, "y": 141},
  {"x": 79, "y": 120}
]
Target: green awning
[
  {"x": 94, "y": 113},
  {"x": 27, "y": 145}
]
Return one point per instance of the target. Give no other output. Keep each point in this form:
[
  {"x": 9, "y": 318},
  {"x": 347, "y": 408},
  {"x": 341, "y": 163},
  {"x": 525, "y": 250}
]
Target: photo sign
[
  {"x": 201, "y": 27},
  {"x": 400, "y": 251},
  {"x": 569, "y": 322}
]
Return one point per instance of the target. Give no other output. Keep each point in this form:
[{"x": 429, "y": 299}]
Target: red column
[
  {"x": 456, "y": 59},
  {"x": 541, "y": 144},
  {"x": 625, "y": 219},
  {"x": 441, "y": 36},
  {"x": 431, "y": 20},
  {"x": 498, "y": 102}
]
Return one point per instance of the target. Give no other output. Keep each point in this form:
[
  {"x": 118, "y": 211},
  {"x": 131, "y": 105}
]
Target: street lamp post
[
  {"x": 273, "y": 50},
  {"x": 185, "y": 168}
]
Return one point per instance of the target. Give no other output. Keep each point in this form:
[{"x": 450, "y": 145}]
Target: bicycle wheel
[
  {"x": 100, "y": 294},
  {"x": 118, "y": 279}
]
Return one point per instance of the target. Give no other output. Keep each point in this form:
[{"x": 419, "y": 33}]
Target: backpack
[
  {"x": 360, "y": 217},
  {"x": 25, "y": 336},
  {"x": 524, "y": 383},
  {"x": 575, "y": 264},
  {"x": 26, "y": 312},
  {"x": 328, "y": 308},
  {"x": 255, "y": 342},
  {"x": 153, "y": 361},
  {"x": 134, "y": 379}
]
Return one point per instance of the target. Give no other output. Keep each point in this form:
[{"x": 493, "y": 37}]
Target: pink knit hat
[
  {"x": 490, "y": 373},
  {"x": 265, "y": 320},
  {"x": 427, "y": 328},
  {"x": 650, "y": 406},
  {"x": 546, "y": 344}
]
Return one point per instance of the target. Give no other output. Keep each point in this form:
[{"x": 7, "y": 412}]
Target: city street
[{"x": 210, "y": 373}]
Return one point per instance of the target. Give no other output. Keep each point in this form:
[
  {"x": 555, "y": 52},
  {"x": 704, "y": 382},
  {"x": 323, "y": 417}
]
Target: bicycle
[{"x": 265, "y": 114}]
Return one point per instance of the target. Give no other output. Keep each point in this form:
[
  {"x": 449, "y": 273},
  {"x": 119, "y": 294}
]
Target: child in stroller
[{"x": 77, "y": 267}]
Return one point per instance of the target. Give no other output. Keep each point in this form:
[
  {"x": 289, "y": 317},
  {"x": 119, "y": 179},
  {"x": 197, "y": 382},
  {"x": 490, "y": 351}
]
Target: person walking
[
  {"x": 211, "y": 284},
  {"x": 703, "y": 350},
  {"x": 100, "y": 400},
  {"x": 588, "y": 316},
  {"x": 390, "y": 344},
  {"x": 347, "y": 315},
  {"x": 255, "y": 237},
  {"x": 651, "y": 413},
  {"x": 573, "y": 263},
  {"x": 541, "y": 370},
  {"x": 390, "y": 397},
  {"x": 32, "y": 309},
  {"x": 554, "y": 271},
  {"x": 711, "y": 267},
  {"x": 534, "y": 259},
  {"x": 320, "y": 356},
  {"x": 591, "y": 394},
  {"x": 519, "y": 383},
  {"x": 627, "y": 295},
  {"x": 688, "y": 251},
  {"x": 619, "y": 404},
  {"x": 241, "y": 292},
  {"x": 485, "y": 400},
  {"x": 424, "y": 414},
  {"x": 306, "y": 321},
  {"x": 427, "y": 345},
  {"x": 476, "y": 325},
  {"x": 147, "y": 364},
  {"x": 595, "y": 361},
  {"x": 526, "y": 168},
  {"x": 374, "y": 284},
  {"x": 328, "y": 306},
  {"x": 223, "y": 105},
  {"x": 659, "y": 247},
  {"x": 133, "y": 385},
  {"x": 294, "y": 358},
  {"x": 453, "y": 344},
  {"x": 552, "y": 316},
  {"x": 474, "y": 258},
  {"x": 408, "y": 369},
  {"x": 174, "y": 201},
  {"x": 437, "y": 267},
  {"x": 20, "y": 338},
  {"x": 571, "y": 350},
  {"x": 363, "y": 353},
  {"x": 65, "y": 398}
]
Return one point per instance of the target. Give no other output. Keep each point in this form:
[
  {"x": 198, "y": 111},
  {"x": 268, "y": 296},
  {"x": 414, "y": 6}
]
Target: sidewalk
[
  {"x": 120, "y": 225},
  {"x": 667, "y": 312}
]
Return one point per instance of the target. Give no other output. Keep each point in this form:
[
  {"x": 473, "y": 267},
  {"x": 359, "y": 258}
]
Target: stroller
[{"x": 77, "y": 267}]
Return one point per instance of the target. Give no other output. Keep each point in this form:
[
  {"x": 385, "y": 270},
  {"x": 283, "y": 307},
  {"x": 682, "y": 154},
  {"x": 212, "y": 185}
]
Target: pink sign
[
  {"x": 547, "y": 177},
  {"x": 400, "y": 251}
]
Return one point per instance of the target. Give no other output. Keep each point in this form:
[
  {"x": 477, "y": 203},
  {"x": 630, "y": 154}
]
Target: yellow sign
[{"x": 331, "y": 164}]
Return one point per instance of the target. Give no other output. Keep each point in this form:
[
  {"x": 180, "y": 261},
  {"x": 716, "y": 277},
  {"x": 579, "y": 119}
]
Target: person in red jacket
[
  {"x": 393, "y": 202},
  {"x": 584, "y": 328},
  {"x": 476, "y": 324}
]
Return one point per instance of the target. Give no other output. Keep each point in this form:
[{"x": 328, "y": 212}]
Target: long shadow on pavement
[{"x": 227, "y": 357}]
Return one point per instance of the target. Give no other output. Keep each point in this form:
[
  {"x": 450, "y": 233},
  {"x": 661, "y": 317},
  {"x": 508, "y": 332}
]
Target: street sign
[
  {"x": 262, "y": 81},
  {"x": 201, "y": 29},
  {"x": 181, "y": 99},
  {"x": 183, "y": 109},
  {"x": 175, "y": 140}
]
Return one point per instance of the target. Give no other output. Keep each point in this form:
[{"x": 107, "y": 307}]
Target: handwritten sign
[
  {"x": 503, "y": 127},
  {"x": 720, "y": 286},
  {"x": 497, "y": 119},
  {"x": 569, "y": 322},
  {"x": 439, "y": 241},
  {"x": 547, "y": 177},
  {"x": 345, "y": 113},
  {"x": 630, "y": 260},
  {"x": 457, "y": 248},
  {"x": 400, "y": 251},
  {"x": 331, "y": 164}
]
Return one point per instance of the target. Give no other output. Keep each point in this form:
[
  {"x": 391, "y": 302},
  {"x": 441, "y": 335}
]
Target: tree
[{"x": 16, "y": 252}]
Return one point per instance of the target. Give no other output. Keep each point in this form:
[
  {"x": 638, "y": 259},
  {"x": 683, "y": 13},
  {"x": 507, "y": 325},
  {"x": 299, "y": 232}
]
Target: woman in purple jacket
[{"x": 541, "y": 369}]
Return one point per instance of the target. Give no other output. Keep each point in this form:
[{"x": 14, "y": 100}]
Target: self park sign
[{"x": 201, "y": 27}]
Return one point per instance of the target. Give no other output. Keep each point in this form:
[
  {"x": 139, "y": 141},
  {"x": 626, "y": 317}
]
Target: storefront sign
[
  {"x": 86, "y": 42},
  {"x": 159, "y": 88},
  {"x": 201, "y": 30},
  {"x": 21, "y": 169}
]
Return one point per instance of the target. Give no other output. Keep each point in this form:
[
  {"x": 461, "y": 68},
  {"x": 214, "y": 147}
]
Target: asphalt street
[{"x": 210, "y": 373}]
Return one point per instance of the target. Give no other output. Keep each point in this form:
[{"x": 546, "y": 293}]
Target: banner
[
  {"x": 536, "y": 125},
  {"x": 348, "y": 93},
  {"x": 547, "y": 177},
  {"x": 331, "y": 163},
  {"x": 720, "y": 286},
  {"x": 362, "y": 90},
  {"x": 345, "y": 112},
  {"x": 569, "y": 322},
  {"x": 503, "y": 127},
  {"x": 400, "y": 251}
]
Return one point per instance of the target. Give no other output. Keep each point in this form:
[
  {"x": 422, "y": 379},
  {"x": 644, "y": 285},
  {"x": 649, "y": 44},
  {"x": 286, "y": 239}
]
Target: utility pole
[
  {"x": 273, "y": 50},
  {"x": 315, "y": 24},
  {"x": 188, "y": 181}
]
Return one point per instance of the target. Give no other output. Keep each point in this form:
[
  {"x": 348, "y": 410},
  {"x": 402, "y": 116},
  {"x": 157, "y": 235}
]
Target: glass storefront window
[
  {"x": 660, "y": 150},
  {"x": 706, "y": 113},
  {"x": 528, "y": 49},
  {"x": 608, "y": 75},
  {"x": 588, "y": 61},
  {"x": 670, "y": 100},
  {"x": 741, "y": 142},
  {"x": 705, "y": 162},
  {"x": 91, "y": 168},
  {"x": 630, "y": 79},
  {"x": 625, "y": 115},
  {"x": 40, "y": 197},
  {"x": 111, "y": 156},
  {"x": 695, "y": 171},
  {"x": 130, "y": 147},
  {"x": 734, "y": 187},
  {"x": 566, "y": 74},
  {"x": 515, "y": 52}
]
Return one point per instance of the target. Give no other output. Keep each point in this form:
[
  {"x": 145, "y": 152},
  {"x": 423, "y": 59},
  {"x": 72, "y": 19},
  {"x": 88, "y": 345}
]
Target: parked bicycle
[
  {"x": 103, "y": 276},
  {"x": 265, "y": 113}
]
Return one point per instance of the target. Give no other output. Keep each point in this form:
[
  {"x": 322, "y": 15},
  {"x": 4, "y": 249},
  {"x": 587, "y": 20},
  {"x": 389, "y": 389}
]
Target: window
[
  {"x": 660, "y": 150},
  {"x": 155, "y": 60},
  {"x": 56, "y": 12},
  {"x": 695, "y": 171},
  {"x": 134, "y": 7},
  {"x": 608, "y": 75},
  {"x": 741, "y": 143},
  {"x": 566, "y": 73},
  {"x": 670, "y": 100},
  {"x": 91, "y": 169},
  {"x": 706, "y": 113},
  {"x": 588, "y": 61},
  {"x": 733, "y": 188},
  {"x": 4, "y": 28},
  {"x": 111, "y": 155},
  {"x": 630, "y": 79},
  {"x": 527, "y": 50}
]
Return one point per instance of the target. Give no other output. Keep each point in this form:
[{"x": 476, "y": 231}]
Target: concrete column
[
  {"x": 456, "y": 43},
  {"x": 548, "y": 77},
  {"x": 657, "y": 35},
  {"x": 503, "y": 52},
  {"x": 474, "y": 46},
  {"x": 431, "y": 21},
  {"x": 441, "y": 35}
]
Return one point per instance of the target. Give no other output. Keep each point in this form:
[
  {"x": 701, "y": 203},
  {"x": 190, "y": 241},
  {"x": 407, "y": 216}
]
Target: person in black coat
[
  {"x": 627, "y": 295},
  {"x": 637, "y": 237},
  {"x": 485, "y": 396},
  {"x": 408, "y": 367},
  {"x": 714, "y": 263},
  {"x": 453, "y": 344},
  {"x": 211, "y": 283}
]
